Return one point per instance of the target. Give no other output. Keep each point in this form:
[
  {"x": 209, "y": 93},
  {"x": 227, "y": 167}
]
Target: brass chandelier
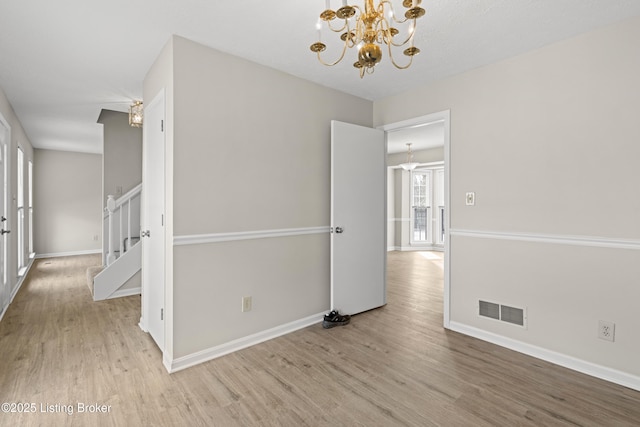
[{"x": 368, "y": 29}]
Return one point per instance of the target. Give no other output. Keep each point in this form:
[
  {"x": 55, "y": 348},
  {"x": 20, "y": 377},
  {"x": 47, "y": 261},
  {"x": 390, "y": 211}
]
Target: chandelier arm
[
  {"x": 393, "y": 13},
  {"x": 349, "y": 41},
  {"x": 337, "y": 30},
  {"x": 395, "y": 64},
  {"x": 409, "y": 37},
  {"x": 380, "y": 30},
  {"x": 331, "y": 64},
  {"x": 384, "y": 33}
]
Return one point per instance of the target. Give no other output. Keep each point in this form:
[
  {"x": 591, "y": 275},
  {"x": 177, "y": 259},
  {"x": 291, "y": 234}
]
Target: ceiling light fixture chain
[
  {"x": 369, "y": 28},
  {"x": 410, "y": 164}
]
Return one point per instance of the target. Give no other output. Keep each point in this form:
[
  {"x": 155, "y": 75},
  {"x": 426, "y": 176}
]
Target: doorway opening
[{"x": 429, "y": 139}]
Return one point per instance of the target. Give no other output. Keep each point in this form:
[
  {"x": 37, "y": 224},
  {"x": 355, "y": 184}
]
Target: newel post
[{"x": 111, "y": 207}]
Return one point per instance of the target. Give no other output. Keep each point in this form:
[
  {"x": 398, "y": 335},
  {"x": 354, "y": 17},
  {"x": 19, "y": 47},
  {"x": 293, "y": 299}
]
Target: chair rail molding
[
  {"x": 594, "y": 241},
  {"x": 199, "y": 239}
]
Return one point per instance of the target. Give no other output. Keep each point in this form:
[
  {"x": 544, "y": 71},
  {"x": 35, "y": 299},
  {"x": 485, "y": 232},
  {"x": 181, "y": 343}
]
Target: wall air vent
[
  {"x": 512, "y": 315},
  {"x": 489, "y": 309},
  {"x": 503, "y": 313}
]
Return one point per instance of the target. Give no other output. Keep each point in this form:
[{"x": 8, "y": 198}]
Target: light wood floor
[{"x": 391, "y": 366}]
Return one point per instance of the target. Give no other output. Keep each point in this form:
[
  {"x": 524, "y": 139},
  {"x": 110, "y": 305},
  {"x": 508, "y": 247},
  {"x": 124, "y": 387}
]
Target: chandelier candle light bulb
[{"x": 368, "y": 29}]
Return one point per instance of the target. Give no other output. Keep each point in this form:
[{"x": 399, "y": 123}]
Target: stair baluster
[{"x": 121, "y": 259}]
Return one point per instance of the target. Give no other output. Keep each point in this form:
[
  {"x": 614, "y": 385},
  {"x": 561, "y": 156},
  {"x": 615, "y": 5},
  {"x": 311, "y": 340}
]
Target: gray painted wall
[
  {"x": 67, "y": 202},
  {"x": 121, "y": 154},
  {"x": 548, "y": 141},
  {"x": 249, "y": 151}
]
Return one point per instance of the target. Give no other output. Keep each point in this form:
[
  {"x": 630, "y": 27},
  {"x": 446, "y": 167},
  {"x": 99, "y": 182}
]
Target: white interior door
[
  {"x": 153, "y": 211},
  {"x": 5, "y": 292},
  {"x": 358, "y": 218}
]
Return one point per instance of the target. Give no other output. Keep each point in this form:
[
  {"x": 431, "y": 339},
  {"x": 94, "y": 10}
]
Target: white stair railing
[{"x": 122, "y": 221}]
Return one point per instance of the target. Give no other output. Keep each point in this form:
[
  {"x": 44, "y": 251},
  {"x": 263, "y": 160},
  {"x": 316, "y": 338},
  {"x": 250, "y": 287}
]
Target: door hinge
[
  {"x": 162, "y": 220},
  {"x": 161, "y": 125},
  {"x": 162, "y": 314}
]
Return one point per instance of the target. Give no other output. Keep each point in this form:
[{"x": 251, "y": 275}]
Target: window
[{"x": 421, "y": 207}]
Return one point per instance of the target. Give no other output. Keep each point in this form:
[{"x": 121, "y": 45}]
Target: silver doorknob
[{"x": 339, "y": 230}]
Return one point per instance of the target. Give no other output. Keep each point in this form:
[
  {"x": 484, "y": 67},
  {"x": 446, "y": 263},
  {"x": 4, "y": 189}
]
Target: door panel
[
  {"x": 358, "y": 218},
  {"x": 153, "y": 210}
]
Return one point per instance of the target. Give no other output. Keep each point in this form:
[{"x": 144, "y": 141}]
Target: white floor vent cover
[{"x": 504, "y": 313}]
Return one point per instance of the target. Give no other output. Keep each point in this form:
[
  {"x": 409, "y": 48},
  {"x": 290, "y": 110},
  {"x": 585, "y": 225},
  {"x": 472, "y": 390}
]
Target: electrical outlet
[
  {"x": 246, "y": 304},
  {"x": 606, "y": 330},
  {"x": 95, "y": 237},
  {"x": 471, "y": 199}
]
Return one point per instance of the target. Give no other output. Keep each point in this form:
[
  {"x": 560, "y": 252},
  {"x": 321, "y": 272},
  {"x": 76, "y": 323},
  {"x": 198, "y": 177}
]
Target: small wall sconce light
[{"x": 136, "y": 114}]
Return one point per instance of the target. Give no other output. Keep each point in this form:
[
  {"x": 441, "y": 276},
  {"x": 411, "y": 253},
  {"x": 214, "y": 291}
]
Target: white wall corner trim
[
  {"x": 199, "y": 239},
  {"x": 238, "y": 344},
  {"x": 560, "y": 359},
  {"x": 601, "y": 242}
]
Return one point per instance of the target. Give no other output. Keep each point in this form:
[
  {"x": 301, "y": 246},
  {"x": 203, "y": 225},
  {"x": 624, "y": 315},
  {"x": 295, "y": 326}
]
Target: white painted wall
[
  {"x": 548, "y": 141},
  {"x": 68, "y": 202}
]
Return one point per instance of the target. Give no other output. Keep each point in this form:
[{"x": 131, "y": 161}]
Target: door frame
[
  {"x": 7, "y": 289},
  {"x": 445, "y": 117}
]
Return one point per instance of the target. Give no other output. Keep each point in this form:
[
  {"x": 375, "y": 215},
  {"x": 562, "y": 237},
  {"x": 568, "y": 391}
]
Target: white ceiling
[
  {"x": 63, "y": 61},
  {"x": 421, "y": 137}
]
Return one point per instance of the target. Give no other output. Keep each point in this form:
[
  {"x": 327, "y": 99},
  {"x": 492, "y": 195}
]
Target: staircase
[{"x": 122, "y": 250}]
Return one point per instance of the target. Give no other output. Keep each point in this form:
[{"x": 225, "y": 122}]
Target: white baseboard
[
  {"x": 235, "y": 345},
  {"x": 74, "y": 253},
  {"x": 21, "y": 280},
  {"x": 592, "y": 369},
  {"x": 142, "y": 325},
  {"x": 415, "y": 248},
  {"x": 126, "y": 293},
  {"x": 17, "y": 288}
]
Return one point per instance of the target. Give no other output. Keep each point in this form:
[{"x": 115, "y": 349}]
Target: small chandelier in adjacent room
[
  {"x": 410, "y": 164},
  {"x": 368, "y": 29},
  {"x": 136, "y": 114}
]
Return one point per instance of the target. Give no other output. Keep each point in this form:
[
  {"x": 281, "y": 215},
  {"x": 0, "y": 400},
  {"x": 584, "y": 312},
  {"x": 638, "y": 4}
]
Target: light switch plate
[{"x": 471, "y": 199}]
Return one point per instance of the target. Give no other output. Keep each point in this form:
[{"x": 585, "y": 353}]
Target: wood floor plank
[{"x": 393, "y": 366}]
